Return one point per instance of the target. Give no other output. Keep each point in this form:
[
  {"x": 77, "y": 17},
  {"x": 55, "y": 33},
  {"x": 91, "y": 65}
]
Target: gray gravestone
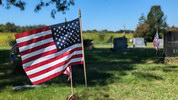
[
  {"x": 138, "y": 42},
  {"x": 161, "y": 42},
  {"x": 120, "y": 43}
]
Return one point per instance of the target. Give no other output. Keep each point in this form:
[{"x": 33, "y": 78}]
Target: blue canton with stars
[{"x": 66, "y": 34}]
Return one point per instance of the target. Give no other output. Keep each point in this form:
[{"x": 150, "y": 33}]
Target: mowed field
[{"x": 125, "y": 75}]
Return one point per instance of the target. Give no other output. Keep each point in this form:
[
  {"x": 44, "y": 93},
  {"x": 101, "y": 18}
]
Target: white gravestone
[{"x": 138, "y": 42}]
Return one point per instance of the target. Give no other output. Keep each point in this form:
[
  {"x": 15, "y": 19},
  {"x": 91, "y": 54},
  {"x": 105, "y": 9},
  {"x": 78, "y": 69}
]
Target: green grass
[
  {"x": 126, "y": 75},
  {"x": 5, "y": 38}
]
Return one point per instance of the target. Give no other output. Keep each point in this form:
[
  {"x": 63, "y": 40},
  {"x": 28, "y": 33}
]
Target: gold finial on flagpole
[
  {"x": 79, "y": 13},
  {"x": 65, "y": 19}
]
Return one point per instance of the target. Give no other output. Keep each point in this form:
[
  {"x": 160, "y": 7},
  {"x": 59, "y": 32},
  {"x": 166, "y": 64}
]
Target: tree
[
  {"x": 2, "y": 28},
  {"x": 11, "y": 27},
  {"x": 60, "y": 5},
  {"x": 142, "y": 30},
  {"x": 156, "y": 20},
  {"x": 142, "y": 19}
]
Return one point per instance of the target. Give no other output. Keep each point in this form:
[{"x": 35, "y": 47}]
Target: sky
[{"x": 96, "y": 14}]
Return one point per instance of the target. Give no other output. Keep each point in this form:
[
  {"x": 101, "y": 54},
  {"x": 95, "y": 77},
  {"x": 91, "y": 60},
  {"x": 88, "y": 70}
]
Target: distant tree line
[
  {"x": 173, "y": 28},
  {"x": 12, "y": 28},
  {"x": 108, "y": 31}
]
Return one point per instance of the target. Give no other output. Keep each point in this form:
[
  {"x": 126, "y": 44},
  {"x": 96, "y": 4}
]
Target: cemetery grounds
[{"x": 126, "y": 75}]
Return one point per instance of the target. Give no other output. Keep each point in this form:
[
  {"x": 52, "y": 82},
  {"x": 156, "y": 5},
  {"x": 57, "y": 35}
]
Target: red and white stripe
[
  {"x": 156, "y": 41},
  {"x": 68, "y": 72},
  {"x": 40, "y": 58}
]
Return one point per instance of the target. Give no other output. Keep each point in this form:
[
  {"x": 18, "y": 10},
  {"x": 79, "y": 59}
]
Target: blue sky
[{"x": 96, "y": 14}]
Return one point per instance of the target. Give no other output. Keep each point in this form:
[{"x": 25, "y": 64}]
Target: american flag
[
  {"x": 156, "y": 41},
  {"x": 47, "y": 52}
]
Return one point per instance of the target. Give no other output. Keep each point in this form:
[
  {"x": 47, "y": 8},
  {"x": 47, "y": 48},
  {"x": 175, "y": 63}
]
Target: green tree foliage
[
  {"x": 173, "y": 28},
  {"x": 60, "y": 5},
  {"x": 156, "y": 20},
  {"x": 142, "y": 19},
  {"x": 142, "y": 30},
  {"x": 12, "y": 28}
]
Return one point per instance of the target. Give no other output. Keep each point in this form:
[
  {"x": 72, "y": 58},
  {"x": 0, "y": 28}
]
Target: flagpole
[
  {"x": 157, "y": 47},
  {"x": 71, "y": 80},
  {"x": 85, "y": 75},
  {"x": 70, "y": 69}
]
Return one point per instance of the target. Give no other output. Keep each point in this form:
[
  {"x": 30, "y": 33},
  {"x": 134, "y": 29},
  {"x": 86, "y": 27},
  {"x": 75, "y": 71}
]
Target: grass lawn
[{"x": 127, "y": 75}]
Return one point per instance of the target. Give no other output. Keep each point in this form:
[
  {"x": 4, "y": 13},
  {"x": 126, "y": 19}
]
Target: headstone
[
  {"x": 139, "y": 42},
  {"x": 110, "y": 39},
  {"x": 171, "y": 44},
  {"x": 171, "y": 47},
  {"x": 120, "y": 43},
  {"x": 88, "y": 44},
  {"x": 161, "y": 42}
]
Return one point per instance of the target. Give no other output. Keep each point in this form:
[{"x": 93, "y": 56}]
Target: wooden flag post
[
  {"x": 71, "y": 80},
  {"x": 85, "y": 75}
]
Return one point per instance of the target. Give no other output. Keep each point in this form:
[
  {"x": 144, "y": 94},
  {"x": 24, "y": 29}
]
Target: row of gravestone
[
  {"x": 141, "y": 42},
  {"x": 121, "y": 43}
]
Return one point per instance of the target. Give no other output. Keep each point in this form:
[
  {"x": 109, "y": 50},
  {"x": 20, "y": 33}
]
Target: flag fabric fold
[
  {"x": 156, "y": 41},
  {"x": 47, "y": 52},
  {"x": 68, "y": 72}
]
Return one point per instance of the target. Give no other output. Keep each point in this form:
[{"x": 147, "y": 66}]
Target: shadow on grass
[
  {"x": 147, "y": 76},
  {"x": 131, "y": 56},
  {"x": 103, "y": 67},
  {"x": 167, "y": 69}
]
